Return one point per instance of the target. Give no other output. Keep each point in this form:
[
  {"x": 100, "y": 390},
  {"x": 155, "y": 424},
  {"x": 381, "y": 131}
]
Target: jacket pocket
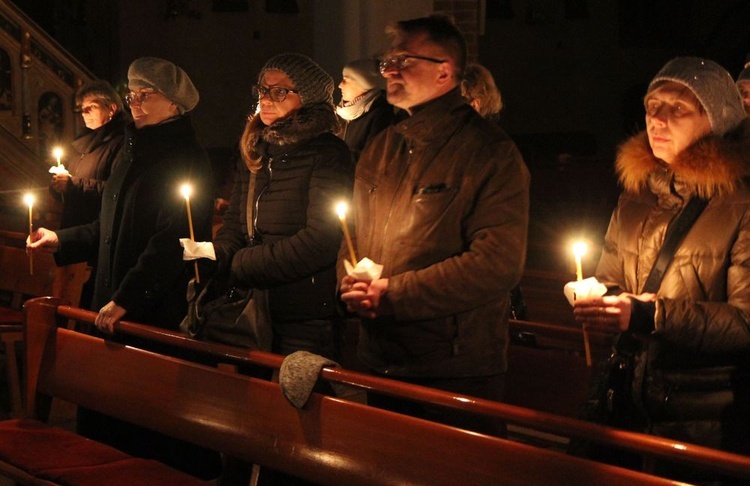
[{"x": 692, "y": 394}]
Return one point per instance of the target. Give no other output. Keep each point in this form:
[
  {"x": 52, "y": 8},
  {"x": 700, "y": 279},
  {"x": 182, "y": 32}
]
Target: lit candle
[
  {"x": 57, "y": 153},
  {"x": 341, "y": 210},
  {"x": 579, "y": 249},
  {"x": 29, "y": 200},
  {"x": 186, "y": 191}
]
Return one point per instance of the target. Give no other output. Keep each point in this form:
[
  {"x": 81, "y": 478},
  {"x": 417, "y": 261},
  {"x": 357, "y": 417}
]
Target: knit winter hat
[
  {"x": 365, "y": 73},
  {"x": 313, "y": 83},
  {"x": 711, "y": 84},
  {"x": 166, "y": 78}
]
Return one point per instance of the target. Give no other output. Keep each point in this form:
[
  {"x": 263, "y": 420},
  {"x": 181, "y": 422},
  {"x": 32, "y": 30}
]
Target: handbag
[
  {"x": 233, "y": 315},
  {"x": 610, "y": 400}
]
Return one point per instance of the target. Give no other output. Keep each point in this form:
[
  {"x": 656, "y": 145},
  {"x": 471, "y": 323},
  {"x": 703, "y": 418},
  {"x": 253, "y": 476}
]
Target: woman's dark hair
[{"x": 105, "y": 94}]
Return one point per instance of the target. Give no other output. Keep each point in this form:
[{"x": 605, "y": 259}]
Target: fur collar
[
  {"x": 712, "y": 166},
  {"x": 306, "y": 123}
]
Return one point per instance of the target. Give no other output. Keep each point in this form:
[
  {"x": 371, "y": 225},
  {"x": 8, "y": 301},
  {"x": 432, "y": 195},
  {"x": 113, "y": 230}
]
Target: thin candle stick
[
  {"x": 29, "y": 200},
  {"x": 186, "y": 190},
  {"x": 579, "y": 249},
  {"x": 341, "y": 210}
]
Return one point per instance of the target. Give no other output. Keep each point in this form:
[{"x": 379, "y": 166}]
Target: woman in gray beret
[
  {"x": 691, "y": 337},
  {"x": 140, "y": 273}
]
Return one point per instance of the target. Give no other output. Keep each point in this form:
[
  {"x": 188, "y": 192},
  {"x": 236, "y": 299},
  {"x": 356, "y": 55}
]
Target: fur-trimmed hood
[{"x": 710, "y": 167}]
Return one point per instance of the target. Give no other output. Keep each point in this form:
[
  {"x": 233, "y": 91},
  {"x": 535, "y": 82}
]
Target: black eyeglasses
[
  {"x": 401, "y": 61},
  {"x": 138, "y": 97},
  {"x": 274, "y": 92}
]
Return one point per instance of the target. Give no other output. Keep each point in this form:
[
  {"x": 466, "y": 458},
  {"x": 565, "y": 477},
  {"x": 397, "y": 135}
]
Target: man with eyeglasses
[
  {"x": 441, "y": 201},
  {"x": 140, "y": 274}
]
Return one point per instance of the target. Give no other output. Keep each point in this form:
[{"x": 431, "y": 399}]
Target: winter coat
[
  {"x": 305, "y": 171},
  {"x": 89, "y": 167},
  {"x": 143, "y": 216},
  {"x": 692, "y": 375},
  {"x": 358, "y": 132},
  {"x": 441, "y": 200}
]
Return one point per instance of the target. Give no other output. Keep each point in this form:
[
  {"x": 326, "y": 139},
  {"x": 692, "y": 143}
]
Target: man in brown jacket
[{"x": 441, "y": 201}]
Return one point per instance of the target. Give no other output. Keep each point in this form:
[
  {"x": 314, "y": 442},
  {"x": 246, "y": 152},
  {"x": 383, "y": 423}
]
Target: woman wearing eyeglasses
[
  {"x": 140, "y": 273},
  {"x": 91, "y": 154},
  {"x": 301, "y": 171}
]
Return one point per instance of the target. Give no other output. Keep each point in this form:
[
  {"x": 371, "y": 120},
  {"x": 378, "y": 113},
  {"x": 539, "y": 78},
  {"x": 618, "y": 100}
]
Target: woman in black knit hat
[{"x": 301, "y": 169}]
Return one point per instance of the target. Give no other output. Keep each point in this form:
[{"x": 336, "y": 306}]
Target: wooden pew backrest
[{"x": 330, "y": 440}]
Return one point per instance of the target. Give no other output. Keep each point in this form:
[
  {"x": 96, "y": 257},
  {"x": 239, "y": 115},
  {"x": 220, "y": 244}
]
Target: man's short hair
[{"x": 440, "y": 30}]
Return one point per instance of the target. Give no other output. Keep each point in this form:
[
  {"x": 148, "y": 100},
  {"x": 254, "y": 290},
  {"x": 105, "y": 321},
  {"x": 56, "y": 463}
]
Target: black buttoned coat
[{"x": 142, "y": 218}]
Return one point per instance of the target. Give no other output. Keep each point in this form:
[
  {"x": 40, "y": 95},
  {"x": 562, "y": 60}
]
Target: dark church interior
[{"x": 572, "y": 75}]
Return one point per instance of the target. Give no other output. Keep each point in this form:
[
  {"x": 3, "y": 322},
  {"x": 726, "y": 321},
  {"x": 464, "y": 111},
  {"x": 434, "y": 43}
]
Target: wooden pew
[
  {"x": 329, "y": 441},
  {"x": 17, "y": 284},
  {"x": 648, "y": 446}
]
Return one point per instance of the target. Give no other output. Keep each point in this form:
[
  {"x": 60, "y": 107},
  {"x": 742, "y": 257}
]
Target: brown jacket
[
  {"x": 441, "y": 200},
  {"x": 693, "y": 367}
]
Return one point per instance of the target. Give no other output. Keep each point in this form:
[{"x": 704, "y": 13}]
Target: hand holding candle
[
  {"x": 186, "y": 190},
  {"x": 341, "y": 209},
  {"x": 28, "y": 199}
]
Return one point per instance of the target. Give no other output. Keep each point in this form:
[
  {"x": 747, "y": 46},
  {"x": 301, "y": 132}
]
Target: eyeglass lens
[
  {"x": 276, "y": 94},
  {"x": 139, "y": 97}
]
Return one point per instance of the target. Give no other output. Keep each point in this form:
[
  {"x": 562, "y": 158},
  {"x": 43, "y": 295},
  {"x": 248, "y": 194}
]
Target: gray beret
[
  {"x": 365, "y": 73},
  {"x": 313, "y": 83},
  {"x": 166, "y": 78},
  {"x": 712, "y": 85}
]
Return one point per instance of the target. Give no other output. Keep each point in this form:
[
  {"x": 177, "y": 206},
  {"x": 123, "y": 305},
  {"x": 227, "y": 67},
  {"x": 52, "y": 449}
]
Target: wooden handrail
[{"x": 704, "y": 457}]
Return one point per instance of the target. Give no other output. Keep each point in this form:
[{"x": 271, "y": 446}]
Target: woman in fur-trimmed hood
[
  {"x": 301, "y": 170},
  {"x": 692, "y": 379}
]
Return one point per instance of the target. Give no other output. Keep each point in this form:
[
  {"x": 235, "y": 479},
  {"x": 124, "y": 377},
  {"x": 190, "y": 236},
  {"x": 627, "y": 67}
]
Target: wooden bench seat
[
  {"x": 329, "y": 441},
  {"x": 31, "y": 451}
]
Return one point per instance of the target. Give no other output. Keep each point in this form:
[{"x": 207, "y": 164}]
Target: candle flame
[
  {"x": 341, "y": 209},
  {"x": 186, "y": 190},
  {"x": 579, "y": 249},
  {"x": 57, "y": 152},
  {"x": 28, "y": 199}
]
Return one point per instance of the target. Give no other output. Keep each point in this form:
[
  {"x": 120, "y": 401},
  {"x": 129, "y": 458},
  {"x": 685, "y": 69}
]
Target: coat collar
[
  {"x": 710, "y": 167},
  {"x": 435, "y": 118}
]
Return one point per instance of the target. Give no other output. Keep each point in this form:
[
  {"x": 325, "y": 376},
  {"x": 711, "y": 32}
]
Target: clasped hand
[
  {"x": 610, "y": 313},
  {"x": 365, "y": 298}
]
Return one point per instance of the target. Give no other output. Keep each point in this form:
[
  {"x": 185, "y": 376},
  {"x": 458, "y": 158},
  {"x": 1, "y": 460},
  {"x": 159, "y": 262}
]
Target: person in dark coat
[
  {"x": 441, "y": 201},
  {"x": 302, "y": 170},
  {"x": 92, "y": 155},
  {"x": 140, "y": 274},
  {"x": 692, "y": 362},
  {"x": 364, "y": 109}
]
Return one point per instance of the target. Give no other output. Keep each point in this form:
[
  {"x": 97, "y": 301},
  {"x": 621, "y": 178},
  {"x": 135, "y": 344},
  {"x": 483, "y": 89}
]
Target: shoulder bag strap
[
  {"x": 626, "y": 343},
  {"x": 672, "y": 240},
  {"x": 250, "y": 204}
]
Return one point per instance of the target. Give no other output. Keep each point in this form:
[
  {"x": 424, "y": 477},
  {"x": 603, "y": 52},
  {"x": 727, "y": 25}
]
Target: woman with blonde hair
[{"x": 479, "y": 90}]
